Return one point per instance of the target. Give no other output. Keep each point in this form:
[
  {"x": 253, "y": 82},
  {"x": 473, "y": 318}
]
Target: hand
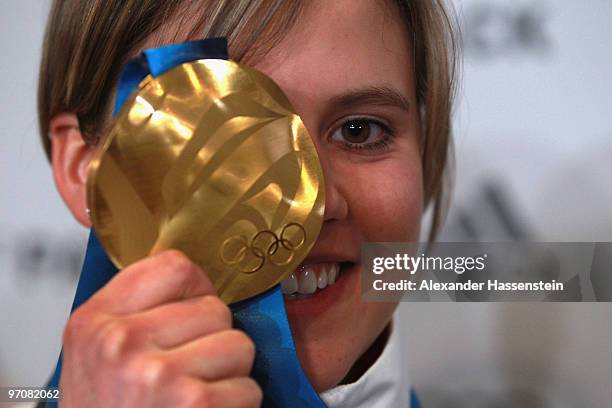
[{"x": 157, "y": 336}]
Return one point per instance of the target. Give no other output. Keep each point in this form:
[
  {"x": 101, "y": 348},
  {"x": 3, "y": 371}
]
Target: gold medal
[{"x": 210, "y": 159}]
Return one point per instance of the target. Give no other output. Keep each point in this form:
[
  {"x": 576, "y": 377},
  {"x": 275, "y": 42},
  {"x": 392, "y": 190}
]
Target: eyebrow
[{"x": 373, "y": 95}]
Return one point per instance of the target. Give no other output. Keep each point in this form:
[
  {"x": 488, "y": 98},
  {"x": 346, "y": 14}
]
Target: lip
[{"x": 324, "y": 257}]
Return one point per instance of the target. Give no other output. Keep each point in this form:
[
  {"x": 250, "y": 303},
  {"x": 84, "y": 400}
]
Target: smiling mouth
[{"x": 307, "y": 280}]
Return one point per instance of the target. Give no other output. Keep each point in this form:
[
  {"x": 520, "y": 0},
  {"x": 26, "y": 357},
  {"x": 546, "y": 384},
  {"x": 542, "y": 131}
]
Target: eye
[{"x": 362, "y": 133}]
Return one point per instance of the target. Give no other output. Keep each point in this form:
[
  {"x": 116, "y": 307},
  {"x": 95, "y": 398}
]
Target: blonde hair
[{"x": 88, "y": 41}]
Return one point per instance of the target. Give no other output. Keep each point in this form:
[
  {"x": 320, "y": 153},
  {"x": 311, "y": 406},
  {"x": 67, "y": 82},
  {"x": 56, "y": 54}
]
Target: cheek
[{"x": 385, "y": 197}]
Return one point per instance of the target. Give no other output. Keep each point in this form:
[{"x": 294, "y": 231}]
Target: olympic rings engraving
[{"x": 264, "y": 246}]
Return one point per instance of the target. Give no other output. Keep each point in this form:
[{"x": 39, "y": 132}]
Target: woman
[{"x": 372, "y": 80}]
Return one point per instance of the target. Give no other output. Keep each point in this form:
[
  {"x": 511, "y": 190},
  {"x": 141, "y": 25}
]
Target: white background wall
[{"x": 533, "y": 132}]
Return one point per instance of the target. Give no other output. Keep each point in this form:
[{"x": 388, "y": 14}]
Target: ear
[{"x": 70, "y": 158}]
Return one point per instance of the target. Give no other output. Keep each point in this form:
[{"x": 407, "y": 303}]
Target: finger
[
  {"x": 221, "y": 355},
  {"x": 239, "y": 392},
  {"x": 176, "y": 323},
  {"x": 163, "y": 278}
]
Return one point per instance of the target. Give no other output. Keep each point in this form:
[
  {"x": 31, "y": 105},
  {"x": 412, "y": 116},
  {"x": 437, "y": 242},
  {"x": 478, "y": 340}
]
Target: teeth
[
  {"x": 322, "y": 279},
  {"x": 306, "y": 280},
  {"x": 289, "y": 285},
  {"x": 307, "y": 283},
  {"x": 332, "y": 274}
]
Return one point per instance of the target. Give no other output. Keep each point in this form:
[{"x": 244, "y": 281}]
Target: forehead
[{"x": 342, "y": 44}]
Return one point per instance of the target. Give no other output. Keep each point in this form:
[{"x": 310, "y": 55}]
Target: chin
[{"x": 331, "y": 325}]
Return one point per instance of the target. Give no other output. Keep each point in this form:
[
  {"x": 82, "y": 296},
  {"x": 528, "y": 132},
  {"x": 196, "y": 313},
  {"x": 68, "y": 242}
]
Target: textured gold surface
[{"x": 209, "y": 158}]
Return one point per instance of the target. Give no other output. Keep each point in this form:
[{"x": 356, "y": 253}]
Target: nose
[{"x": 336, "y": 205}]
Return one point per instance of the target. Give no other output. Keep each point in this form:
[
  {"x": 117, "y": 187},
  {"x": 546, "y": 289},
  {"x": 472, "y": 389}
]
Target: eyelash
[{"x": 388, "y": 133}]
